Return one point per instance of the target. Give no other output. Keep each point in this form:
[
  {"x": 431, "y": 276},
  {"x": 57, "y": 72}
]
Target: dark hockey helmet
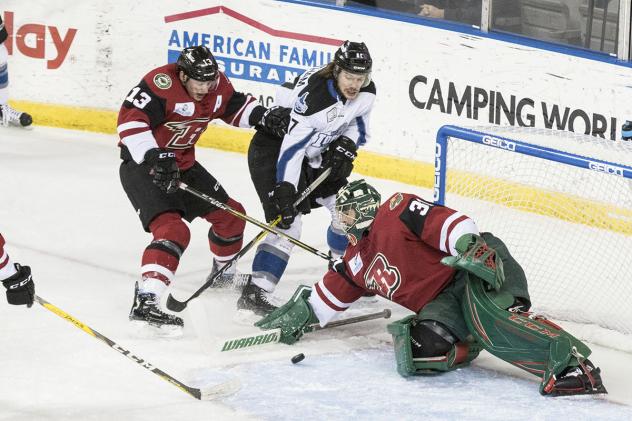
[
  {"x": 356, "y": 206},
  {"x": 354, "y": 57},
  {"x": 198, "y": 63}
]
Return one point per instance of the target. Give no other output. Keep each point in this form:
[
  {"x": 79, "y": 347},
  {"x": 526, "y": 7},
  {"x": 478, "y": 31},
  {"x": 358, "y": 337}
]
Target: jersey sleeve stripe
[
  {"x": 462, "y": 227},
  {"x": 330, "y": 298},
  {"x": 242, "y": 117},
  {"x": 131, "y": 125},
  {"x": 323, "y": 308},
  {"x": 443, "y": 239},
  {"x": 361, "y": 130},
  {"x": 138, "y": 144},
  {"x": 289, "y": 154}
]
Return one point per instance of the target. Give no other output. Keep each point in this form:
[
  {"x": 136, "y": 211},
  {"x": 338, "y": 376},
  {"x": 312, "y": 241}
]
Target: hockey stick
[
  {"x": 274, "y": 335},
  {"x": 213, "y": 392},
  {"x": 178, "y": 306},
  {"x": 266, "y": 227}
]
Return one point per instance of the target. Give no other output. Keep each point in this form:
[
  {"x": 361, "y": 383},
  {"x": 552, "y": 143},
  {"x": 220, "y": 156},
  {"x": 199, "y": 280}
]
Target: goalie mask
[
  {"x": 198, "y": 63},
  {"x": 354, "y": 57},
  {"x": 356, "y": 206}
]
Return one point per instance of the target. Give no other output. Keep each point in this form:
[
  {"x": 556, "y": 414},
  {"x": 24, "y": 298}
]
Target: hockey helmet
[
  {"x": 356, "y": 206},
  {"x": 353, "y": 57},
  {"x": 198, "y": 63}
]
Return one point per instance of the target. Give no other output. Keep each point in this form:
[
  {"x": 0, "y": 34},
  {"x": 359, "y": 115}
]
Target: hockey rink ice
[{"x": 64, "y": 213}]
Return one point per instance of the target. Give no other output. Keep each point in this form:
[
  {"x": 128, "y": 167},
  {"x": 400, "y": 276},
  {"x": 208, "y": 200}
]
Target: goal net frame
[{"x": 566, "y": 210}]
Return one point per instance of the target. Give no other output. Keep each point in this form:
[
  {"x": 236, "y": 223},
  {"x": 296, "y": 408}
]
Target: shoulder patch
[
  {"x": 162, "y": 81},
  {"x": 314, "y": 97},
  {"x": 355, "y": 264},
  {"x": 300, "y": 106},
  {"x": 395, "y": 201}
]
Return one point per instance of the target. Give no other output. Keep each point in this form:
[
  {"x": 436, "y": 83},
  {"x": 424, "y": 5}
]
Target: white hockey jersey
[{"x": 320, "y": 114}]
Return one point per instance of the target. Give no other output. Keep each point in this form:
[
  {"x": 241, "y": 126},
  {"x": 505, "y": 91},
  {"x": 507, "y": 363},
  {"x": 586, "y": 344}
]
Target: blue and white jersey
[{"x": 320, "y": 114}]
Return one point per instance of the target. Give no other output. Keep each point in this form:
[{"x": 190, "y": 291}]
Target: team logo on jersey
[
  {"x": 300, "y": 106},
  {"x": 184, "y": 108},
  {"x": 332, "y": 114},
  {"x": 162, "y": 81},
  {"x": 395, "y": 201},
  {"x": 185, "y": 133},
  {"x": 382, "y": 277}
]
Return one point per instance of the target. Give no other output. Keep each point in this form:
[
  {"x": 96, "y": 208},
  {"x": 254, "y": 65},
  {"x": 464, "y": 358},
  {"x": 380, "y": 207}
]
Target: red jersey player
[
  {"x": 159, "y": 123},
  {"x": 16, "y": 279},
  {"x": 465, "y": 288}
]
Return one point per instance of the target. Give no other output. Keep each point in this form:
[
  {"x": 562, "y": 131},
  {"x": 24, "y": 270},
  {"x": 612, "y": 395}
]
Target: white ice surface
[{"x": 64, "y": 213}]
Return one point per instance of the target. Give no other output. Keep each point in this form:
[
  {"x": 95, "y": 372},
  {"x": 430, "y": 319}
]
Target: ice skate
[
  {"x": 150, "y": 320},
  {"x": 230, "y": 279},
  {"x": 255, "y": 299},
  {"x": 10, "y": 116},
  {"x": 583, "y": 379}
]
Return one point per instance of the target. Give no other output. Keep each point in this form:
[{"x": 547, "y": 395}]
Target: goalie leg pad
[
  {"x": 529, "y": 342},
  {"x": 436, "y": 350}
]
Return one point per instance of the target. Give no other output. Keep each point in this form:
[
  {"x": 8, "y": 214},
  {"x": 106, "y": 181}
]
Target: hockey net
[{"x": 562, "y": 203}]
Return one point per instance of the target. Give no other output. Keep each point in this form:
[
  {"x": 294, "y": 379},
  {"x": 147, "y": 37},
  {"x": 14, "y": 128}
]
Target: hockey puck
[{"x": 298, "y": 358}]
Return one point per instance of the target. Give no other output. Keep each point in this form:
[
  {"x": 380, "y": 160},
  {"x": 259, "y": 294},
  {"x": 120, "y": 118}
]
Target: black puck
[{"x": 298, "y": 358}]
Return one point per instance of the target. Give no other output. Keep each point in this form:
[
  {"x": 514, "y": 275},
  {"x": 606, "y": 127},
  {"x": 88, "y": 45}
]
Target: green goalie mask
[{"x": 356, "y": 206}]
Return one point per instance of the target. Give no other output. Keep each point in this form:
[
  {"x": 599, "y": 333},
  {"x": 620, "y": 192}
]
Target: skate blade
[{"x": 147, "y": 330}]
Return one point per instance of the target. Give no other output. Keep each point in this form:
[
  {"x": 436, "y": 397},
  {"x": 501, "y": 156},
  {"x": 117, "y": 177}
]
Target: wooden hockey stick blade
[
  {"x": 213, "y": 392},
  {"x": 273, "y": 336}
]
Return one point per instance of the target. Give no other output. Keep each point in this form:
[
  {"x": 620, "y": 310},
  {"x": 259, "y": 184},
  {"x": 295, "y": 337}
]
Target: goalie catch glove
[
  {"x": 164, "y": 169},
  {"x": 20, "y": 286},
  {"x": 340, "y": 156},
  {"x": 274, "y": 120},
  {"x": 293, "y": 318},
  {"x": 476, "y": 257}
]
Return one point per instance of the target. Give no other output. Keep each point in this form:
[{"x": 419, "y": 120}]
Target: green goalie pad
[
  {"x": 459, "y": 356},
  {"x": 293, "y": 317},
  {"x": 529, "y": 342},
  {"x": 476, "y": 257}
]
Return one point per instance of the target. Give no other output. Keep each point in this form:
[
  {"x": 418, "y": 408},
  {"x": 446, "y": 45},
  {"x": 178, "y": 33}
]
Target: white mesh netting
[{"x": 570, "y": 228}]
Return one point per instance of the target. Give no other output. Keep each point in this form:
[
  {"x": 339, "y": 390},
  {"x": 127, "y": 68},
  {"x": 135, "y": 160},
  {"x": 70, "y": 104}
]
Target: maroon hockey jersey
[
  {"x": 159, "y": 113},
  {"x": 399, "y": 259}
]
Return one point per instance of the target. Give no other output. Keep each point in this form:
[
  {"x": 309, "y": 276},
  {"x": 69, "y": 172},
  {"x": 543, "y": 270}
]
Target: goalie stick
[
  {"x": 178, "y": 306},
  {"x": 266, "y": 227},
  {"x": 217, "y": 391},
  {"x": 274, "y": 335}
]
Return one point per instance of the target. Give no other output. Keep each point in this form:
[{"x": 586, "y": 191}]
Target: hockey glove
[
  {"x": 293, "y": 318},
  {"x": 339, "y": 156},
  {"x": 626, "y": 131},
  {"x": 476, "y": 257},
  {"x": 20, "y": 287},
  {"x": 274, "y": 120},
  {"x": 283, "y": 197},
  {"x": 164, "y": 169}
]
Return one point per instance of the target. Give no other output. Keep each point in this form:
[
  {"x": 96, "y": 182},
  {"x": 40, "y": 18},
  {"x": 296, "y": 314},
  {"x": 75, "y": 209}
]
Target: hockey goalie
[{"x": 467, "y": 292}]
